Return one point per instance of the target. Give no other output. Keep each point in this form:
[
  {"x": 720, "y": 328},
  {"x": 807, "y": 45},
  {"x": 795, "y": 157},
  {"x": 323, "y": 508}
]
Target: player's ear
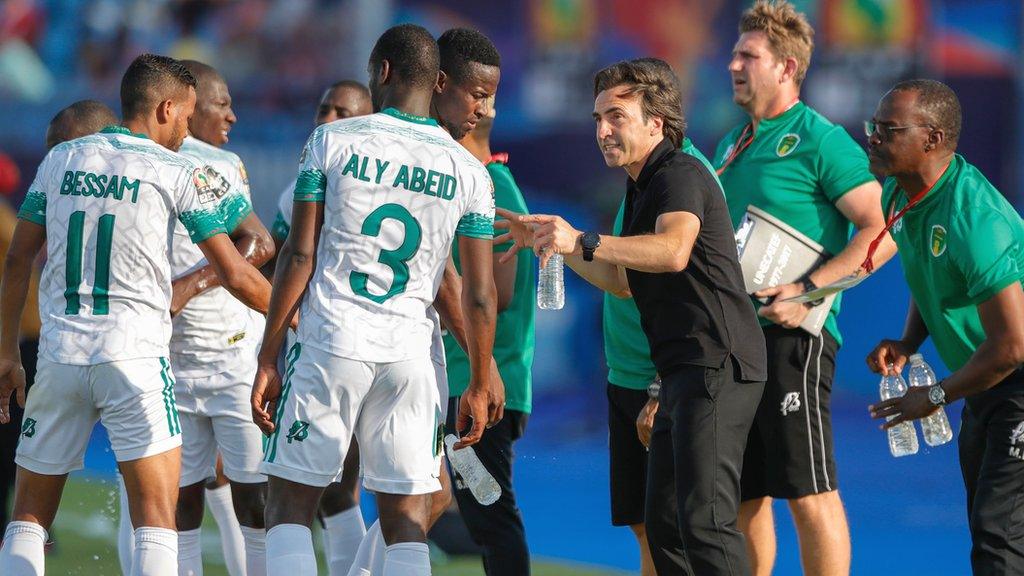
[
  {"x": 163, "y": 111},
  {"x": 442, "y": 81},
  {"x": 384, "y": 74}
]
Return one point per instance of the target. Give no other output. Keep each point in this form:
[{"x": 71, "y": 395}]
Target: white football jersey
[
  {"x": 396, "y": 190},
  {"x": 214, "y": 332},
  {"x": 109, "y": 203},
  {"x": 283, "y": 220}
]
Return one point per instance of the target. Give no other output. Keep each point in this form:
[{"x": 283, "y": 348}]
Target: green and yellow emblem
[
  {"x": 787, "y": 144},
  {"x": 938, "y": 240}
]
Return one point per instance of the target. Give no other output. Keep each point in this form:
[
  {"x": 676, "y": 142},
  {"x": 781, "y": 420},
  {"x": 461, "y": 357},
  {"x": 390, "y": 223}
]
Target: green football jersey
[
  {"x": 513, "y": 338},
  {"x": 625, "y": 345},
  {"x": 959, "y": 246},
  {"x": 796, "y": 168}
]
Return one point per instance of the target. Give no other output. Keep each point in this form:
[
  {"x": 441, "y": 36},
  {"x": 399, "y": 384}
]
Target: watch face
[
  {"x": 937, "y": 395},
  {"x": 590, "y": 240}
]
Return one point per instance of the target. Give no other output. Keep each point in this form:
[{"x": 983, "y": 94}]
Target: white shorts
[
  {"x": 215, "y": 416},
  {"x": 393, "y": 409},
  {"x": 134, "y": 399}
]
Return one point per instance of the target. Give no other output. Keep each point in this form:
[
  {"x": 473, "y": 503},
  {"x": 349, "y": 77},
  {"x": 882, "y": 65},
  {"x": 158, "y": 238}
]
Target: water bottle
[
  {"x": 902, "y": 437},
  {"x": 551, "y": 285},
  {"x": 935, "y": 428},
  {"x": 468, "y": 466}
]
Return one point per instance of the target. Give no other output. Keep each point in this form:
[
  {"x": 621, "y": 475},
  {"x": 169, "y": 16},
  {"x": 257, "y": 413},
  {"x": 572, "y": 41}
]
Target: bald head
[
  {"x": 203, "y": 73},
  {"x": 213, "y": 117},
  {"x": 344, "y": 99},
  {"x": 937, "y": 106},
  {"x": 79, "y": 119}
]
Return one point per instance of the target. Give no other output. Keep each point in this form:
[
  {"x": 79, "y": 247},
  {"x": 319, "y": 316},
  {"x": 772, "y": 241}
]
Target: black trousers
[
  {"x": 498, "y": 529},
  {"x": 10, "y": 432},
  {"x": 694, "y": 467},
  {"x": 992, "y": 462}
]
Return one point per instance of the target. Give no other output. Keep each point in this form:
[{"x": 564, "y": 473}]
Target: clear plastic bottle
[
  {"x": 902, "y": 437},
  {"x": 551, "y": 284},
  {"x": 467, "y": 465},
  {"x": 935, "y": 428}
]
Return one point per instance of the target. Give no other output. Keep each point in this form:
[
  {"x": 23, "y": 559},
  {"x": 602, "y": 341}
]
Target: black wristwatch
[
  {"x": 937, "y": 394},
  {"x": 654, "y": 389},
  {"x": 809, "y": 285},
  {"x": 589, "y": 241}
]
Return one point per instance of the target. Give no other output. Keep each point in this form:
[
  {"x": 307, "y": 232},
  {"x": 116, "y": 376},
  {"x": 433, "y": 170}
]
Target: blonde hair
[{"x": 789, "y": 34}]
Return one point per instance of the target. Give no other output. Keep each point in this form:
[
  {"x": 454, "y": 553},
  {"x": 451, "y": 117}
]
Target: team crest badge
[
  {"x": 28, "y": 428},
  {"x": 299, "y": 431},
  {"x": 1018, "y": 433},
  {"x": 938, "y": 241},
  {"x": 898, "y": 226},
  {"x": 210, "y": 185},
  {"x": 791, "y": 403},
  {"x": 787, "y": 144}
]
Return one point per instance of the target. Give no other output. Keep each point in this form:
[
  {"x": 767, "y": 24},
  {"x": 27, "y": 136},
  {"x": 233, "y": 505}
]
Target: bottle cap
[{"x": 916, "y": 359}]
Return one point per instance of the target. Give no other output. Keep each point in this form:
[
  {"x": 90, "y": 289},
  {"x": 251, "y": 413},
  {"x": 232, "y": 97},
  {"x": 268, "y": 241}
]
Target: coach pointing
[{"x": 678, "y": 255}]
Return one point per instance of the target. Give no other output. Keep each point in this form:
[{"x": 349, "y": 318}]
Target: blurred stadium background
[{"x": 277, "y": 55}]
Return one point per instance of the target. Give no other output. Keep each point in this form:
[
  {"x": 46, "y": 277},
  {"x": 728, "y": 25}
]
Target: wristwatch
[
  {"x": 809, "y": 285},
  {"x": 589, "y": 241},
  {"x": 654, "y": 389},
  {"x": 937, "y": 395}
]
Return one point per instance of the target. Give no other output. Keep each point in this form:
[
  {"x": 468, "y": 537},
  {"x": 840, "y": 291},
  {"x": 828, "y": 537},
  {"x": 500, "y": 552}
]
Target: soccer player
[
  {"x": 105, "y": 205},
  {"x": 339, "y": 510},
  {"x": 962, "y": 249},
  {"x": 79, "y": 119},
  {"x": 378, "y": 203},
  {"x": 471, "y": 68},
  {"x": 458, "y": 105},
  {"x": 793, "y": 163},
  {"x": 214, "y": 342}
]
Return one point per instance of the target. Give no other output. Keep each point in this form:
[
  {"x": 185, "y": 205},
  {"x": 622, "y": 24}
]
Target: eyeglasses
[{"x": 871, "y": 127}]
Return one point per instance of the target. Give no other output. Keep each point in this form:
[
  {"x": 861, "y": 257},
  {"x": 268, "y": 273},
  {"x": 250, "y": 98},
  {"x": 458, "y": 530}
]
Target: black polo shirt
[{"x": 702, "y": 315}]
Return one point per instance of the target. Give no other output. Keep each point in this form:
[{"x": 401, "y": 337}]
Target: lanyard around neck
[{"x": 891, "y": 221}]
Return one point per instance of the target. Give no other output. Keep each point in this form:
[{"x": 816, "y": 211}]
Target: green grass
[{"x": 86, "y": 540}]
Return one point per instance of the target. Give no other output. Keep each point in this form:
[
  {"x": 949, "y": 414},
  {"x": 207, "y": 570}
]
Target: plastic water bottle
[
  {"x": 902, "y": 437},
  {"x": 481, "y": 484},
  {"x": 551, "y": 284},
  {"x": 935, "y": 428}
]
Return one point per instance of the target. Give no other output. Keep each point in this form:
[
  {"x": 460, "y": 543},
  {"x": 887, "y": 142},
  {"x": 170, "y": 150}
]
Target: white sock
[
  {"x": 125, "y": 532},
  {"x": 218, "y": 501},
  {"x": 344, "y": 531},
  {"x": 255, "y": 551},
  {"x": 22, "y": 552},
  {"x": 190, "y": 553},
  {"x": 407, "y": 559},
  {"x": 156, "y": 552},
  {"x": 290, "y": 551},
  {"x": 369, "y": 560}
]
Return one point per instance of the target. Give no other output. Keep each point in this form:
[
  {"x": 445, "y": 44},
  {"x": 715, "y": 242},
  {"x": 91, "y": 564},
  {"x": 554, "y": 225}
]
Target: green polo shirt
[
  {"x": 959, "y": 246},
  {"x": 796, "y": 169},
  {"x": 513, "y": 338},
  {"x": 625, "y": 345}
]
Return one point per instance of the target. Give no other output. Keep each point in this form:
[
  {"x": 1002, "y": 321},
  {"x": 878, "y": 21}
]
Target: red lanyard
[
  {"x": 891, "y": 221},
  {"x": 742, "y": 143}
]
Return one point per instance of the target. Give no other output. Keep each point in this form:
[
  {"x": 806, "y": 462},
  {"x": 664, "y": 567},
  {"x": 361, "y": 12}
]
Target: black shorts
[
  {"x": 789, "y": 450},
  {"x": 627, "y": 456}
]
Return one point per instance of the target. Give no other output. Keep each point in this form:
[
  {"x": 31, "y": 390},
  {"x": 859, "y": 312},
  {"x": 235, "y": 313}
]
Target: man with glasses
[
  {"x": 966, "y": 295},
  {"x": 791, "y": 162}
]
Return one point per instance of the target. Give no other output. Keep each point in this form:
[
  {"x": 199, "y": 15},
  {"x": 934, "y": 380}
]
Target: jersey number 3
[
  {"x": 395, "y": 259},
  {"x": 73, "y": 264}
]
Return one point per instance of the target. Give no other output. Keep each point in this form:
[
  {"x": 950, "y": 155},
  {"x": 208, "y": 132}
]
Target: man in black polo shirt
[{"x": 677, "y": 256}]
